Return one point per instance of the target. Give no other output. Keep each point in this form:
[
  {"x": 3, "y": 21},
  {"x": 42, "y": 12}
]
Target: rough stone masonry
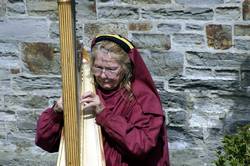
[{"x": 197, "y": 51}]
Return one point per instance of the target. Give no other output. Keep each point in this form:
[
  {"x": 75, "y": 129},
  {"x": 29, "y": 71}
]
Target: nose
[{"x": 103, "y": 75}]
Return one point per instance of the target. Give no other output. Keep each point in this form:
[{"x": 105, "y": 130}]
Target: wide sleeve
[
  {"x": 137, "y": 134},
  {"x": 48, "y": 131}
]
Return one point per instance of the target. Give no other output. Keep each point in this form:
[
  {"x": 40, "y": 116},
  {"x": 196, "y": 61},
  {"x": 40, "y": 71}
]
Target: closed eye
[
  {"x": 111, "y": 68},
  {"x": 106, "y": 68}
]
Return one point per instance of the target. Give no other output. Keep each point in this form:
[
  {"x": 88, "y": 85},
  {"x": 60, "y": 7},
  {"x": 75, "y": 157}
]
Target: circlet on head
[{"x": 125, "y": 44}]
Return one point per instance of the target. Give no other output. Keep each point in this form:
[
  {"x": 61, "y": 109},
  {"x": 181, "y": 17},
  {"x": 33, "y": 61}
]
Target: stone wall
[{"x": 197, "y": 51}]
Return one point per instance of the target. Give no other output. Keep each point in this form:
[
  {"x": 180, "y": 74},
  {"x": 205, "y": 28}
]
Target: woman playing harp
[{"x": 127, "y": 105}]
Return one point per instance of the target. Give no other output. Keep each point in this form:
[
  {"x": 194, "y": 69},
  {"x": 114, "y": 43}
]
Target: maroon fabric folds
[
  {"x": 143, "y": 85},
  {"x": 134, "y": 129},
  {"x": 48, "y": 131}
]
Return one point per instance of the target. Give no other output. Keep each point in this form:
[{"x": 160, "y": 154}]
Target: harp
[{"x": 81, "y": 139}]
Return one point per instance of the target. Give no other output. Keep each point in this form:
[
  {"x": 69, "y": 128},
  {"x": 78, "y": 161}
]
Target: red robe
[{"x": 134, "y": 130}]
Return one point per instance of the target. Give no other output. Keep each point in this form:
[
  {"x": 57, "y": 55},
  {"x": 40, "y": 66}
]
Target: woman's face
[{"x": 107, "y": 71}]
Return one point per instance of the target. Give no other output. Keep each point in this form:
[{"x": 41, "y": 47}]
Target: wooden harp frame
[{"x": 81, "y": 139}]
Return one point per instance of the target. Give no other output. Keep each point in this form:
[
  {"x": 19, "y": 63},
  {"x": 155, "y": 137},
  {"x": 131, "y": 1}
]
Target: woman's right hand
[{"x": 90, "y": 100}]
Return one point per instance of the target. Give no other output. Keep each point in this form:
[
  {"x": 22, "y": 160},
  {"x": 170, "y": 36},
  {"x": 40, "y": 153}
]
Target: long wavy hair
[{"x": 120, "y": 56}]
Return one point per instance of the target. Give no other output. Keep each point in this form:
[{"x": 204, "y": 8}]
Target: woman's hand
[
  {"x": 91, "y": 100},
  {"x": 58, "y": 106}
]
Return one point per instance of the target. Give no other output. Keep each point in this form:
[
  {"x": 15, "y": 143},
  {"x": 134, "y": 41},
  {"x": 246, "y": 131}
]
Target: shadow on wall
[{"x": 239, "y": 113}]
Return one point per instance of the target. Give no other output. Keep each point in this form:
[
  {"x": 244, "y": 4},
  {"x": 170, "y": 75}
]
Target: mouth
[{"x": 106, "y": 81}]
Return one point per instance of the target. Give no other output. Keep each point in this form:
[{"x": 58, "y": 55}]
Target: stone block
[
  {"x": 241, "y": 30},
  {"x": 191, "y": 157},
  {"x": 7, "y": 115},
  {"x": 198, "y": 121},
  {"x": 15, "y": 9},
  {"x": 188, "y": 40},
  {"x": 22, "y": 141},
  {"x": 191, "y": 72},
  {"x": 175, "y": 100},
  {"x": 171, "y": 13},
  {"x": 6, "y": 148},
  {"x": 164, "y": 63},
  {"x": 207, "y": 59},
  {"x": 30, "y": 83},
  {"x": 227, "y": 74},
  {"x": 118, "y": 12},
  {"x": 9, "y": 62},
  {"x": 22, "y": 160},
  {"x": 105, "y": 1},
  {"x": 186, "y": 84},
  {"x": 4, "y": 74},
  {"x": 9, "y": 50},
  {"x": 10, "y": 126},
  {"x": 3, "y": 8},
  {"x": 194, "y": 27},
  {"x": 177, "y": 117},
  {"x": 213, "y": 143},
  {"x": 18, "y": 156},
  {"x": 8, "y": 67},
  {"x": 219, "y": 36},
  {"x": 2, "y": 132},
  {"x": 93, "y": 29},
  {"x": 228, "y": 13},
  {"x": 15, "y": 1},
  {"x": 168, "y": 28},
  {"x": 233, "y": 1},
  {"x": 42, "y": 8},
  {"x": 180, "y": 139},
  {"x": 159, "y": 84},
  {"x": 25, "y": 29},
  {"x": 145, "y": 2},
  {"x": 245, "y": 79},
  {"x": 210, "y": 106},
  {"x": 25, "y": 101},
  {"x": 199, "y": 2},
  {"x": 86, "y": 10},
  {"x": 246, "y": 9},
  {"x": 245, "y": 64},
  {"x": 1, "y": 102},
  {"x": 214, "y": 136},
  {"x": 15, "y": 70},
  {"x": 5, "y": 86},
  {"x": 151, "y": 41},
  {"x": 140, "y": 26},
  {"x": 54, "y": 30},
  {"x": 26, "y": 120},
  {"x": 39, "y": 58},
  {"x": 196, "y": 131},
  {"x": 236, "y": 120},
  {"x": 242, "y": 44},
  {"x": 241, "y": 105},
  {"x": 41, "y": 5}
]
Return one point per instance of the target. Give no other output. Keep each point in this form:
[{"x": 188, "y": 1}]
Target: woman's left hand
[{"x": 91, "y": 100}]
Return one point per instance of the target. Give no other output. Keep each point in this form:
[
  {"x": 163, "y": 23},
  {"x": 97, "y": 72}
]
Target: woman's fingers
[
  {"x": 87, "y": 100},
  {"x": 58, "y": 106},
  {"x": 87, "y": 94},
  {"x": 90, "y": 99},
  {"x": 60, "y": 103}
]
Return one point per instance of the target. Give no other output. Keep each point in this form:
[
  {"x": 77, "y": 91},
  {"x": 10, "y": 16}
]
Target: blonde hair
[{"x": 120, "y": 56}]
